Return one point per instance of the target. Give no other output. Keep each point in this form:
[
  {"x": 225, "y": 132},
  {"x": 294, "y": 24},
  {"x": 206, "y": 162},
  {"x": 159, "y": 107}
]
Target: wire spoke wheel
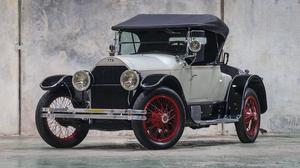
[
  {"x": 56, "y": 127},
  {"x": 59, "y": 132},
  {"x": 163, "y": 118},
  {"x": 248, "y": 126},
  {"x": 251, "y": 120}
]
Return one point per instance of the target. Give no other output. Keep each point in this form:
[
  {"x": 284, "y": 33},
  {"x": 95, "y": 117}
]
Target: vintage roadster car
[{"x": 165, "y": 72}]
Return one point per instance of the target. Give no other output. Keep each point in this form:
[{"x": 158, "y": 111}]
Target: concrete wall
[
  {"x": 265, "y": 38},
  {"x": 65, "y": 36},
  {"x": 8, "y": 67}
]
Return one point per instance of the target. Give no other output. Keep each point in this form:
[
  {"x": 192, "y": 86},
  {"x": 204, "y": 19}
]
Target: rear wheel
[
  {"x": 248, "y": 126},
  {"x": 165, "y": 119},
  {"x": 57, "y": 132}
]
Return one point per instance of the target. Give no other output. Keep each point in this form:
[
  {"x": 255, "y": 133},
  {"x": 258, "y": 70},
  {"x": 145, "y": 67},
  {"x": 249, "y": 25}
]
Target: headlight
[
  {"x": 130, "y": 80},
  {"x": 81, "y": 80}
]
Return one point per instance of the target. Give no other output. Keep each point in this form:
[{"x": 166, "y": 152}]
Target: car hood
[{"x": 143, "y": 62}]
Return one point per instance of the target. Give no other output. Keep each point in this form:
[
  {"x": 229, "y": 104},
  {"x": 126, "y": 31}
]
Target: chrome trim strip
[
  {"x": 157, "y": 83},
  {"x": 84, "y": 113},
  {"x": 94, "y": 116}
]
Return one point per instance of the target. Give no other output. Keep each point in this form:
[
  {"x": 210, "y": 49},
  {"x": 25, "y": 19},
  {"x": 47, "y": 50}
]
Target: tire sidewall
[{"x": 137, "y": 126}]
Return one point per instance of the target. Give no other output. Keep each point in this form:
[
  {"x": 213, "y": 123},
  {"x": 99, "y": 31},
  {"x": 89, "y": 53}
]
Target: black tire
[
  {"x": 250, "y": 133},
  {"x": 44, "y": 130},
  {"x": 168, "y": 119}
]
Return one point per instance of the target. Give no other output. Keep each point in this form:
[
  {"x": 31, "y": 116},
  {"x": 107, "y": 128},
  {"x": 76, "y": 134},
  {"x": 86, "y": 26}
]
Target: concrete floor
[{"x": 222, "y": 151}]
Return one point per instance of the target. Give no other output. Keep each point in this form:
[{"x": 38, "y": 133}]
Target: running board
[
  {"x": 83, "y": 113},
  {"x": 217, "y": 121}
]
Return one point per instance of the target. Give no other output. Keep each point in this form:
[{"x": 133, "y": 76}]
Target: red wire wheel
[
  {"x": 251, "y": 119},
  {"x": 248, "y": 126},
  {"x": 163, "y": 119}
]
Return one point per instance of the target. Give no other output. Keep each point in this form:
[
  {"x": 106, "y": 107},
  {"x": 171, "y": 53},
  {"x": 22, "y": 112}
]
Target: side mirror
[
  {"x": 194, "y": 46},
  {"x": 225, "y": 58},
  {"x": 112, "y": 50}
]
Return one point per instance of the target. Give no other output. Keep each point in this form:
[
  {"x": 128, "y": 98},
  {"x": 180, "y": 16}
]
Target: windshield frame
[{"x": 118, "y": 43}]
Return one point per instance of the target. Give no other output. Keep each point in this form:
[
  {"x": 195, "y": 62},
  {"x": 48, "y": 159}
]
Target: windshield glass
[{"x": 169, "y": 42}]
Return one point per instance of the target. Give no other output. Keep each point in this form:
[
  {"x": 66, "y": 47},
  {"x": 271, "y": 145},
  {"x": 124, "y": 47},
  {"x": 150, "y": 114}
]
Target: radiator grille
[
  {"x": 106, "y": 92},
  {"x": 108, "y": 74}
]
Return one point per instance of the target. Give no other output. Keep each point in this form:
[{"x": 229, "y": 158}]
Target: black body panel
[
  {"x": 213, "y": 111},
  {"x": 106, "y": 92},
  {"x": 235, "y": 95},
  {"x": 255, "y": 82},
  {"x": 229, "y": 70},
  {"x": 55, "y": 81},
  {"x": 209, "y": 110},
  {"x": 110, "y": 125},
  {"x": 236, "y": 92}
]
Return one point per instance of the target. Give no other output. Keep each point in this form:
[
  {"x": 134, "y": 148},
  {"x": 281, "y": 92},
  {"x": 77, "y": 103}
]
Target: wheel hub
[
  {"x": 156, "y": 120},
  {"x": 165, "y": 118},
  {"x": 159, "y": 120}
]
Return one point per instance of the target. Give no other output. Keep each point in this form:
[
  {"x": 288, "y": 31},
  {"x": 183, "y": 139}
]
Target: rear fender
[
  {"x": 255, "y": 82},
  {"x": 236, "y": 94}
]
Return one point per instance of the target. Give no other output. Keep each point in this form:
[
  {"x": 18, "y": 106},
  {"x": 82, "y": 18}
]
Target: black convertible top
[{"x": 163, "y": 21}]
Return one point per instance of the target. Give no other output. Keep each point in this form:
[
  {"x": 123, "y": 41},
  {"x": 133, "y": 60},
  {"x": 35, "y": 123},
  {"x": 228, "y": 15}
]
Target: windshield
[{"x": 169, "y": 42}]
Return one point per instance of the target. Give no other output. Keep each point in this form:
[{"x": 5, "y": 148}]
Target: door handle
[{"x": 193, "y": 76}]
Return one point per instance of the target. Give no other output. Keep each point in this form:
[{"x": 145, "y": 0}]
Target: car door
[
  {"x": 200, "y": 80},
  {"x": 207, "y": 84},
  {"x": 219, "y": 84}
]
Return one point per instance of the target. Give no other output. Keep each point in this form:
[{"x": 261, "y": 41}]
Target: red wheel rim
[
  {"x": 163, "y": 118},
  {"x": 66, "y": 133},
  {"x": 251, "y": 116}
]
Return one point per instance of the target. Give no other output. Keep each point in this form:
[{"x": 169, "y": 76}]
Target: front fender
[
  {"x": 156, "y": 80},
  {"x": 152, "y": 81},
  {"x": 64, "y": 83},
  {"x": 55, "y": 81}
]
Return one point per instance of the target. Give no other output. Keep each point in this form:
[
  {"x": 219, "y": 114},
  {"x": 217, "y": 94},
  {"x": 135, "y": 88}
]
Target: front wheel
[
  {"x": 248, "y": 126},
  {"x": 57, "y": 132},
  {"x": 165, "y": 119}
]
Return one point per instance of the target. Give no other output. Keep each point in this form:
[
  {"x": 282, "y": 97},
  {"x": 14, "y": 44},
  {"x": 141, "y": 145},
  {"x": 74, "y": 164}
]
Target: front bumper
[{"x": 84, "y": 113}]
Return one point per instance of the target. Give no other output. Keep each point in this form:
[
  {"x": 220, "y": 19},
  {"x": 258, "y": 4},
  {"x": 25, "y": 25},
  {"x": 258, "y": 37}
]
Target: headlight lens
[
  {"x": 81, "y": 80},
  {"x": 130, "y": 80}
]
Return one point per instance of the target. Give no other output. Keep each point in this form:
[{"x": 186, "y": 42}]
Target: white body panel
[{"x": 199, "y": 83}]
